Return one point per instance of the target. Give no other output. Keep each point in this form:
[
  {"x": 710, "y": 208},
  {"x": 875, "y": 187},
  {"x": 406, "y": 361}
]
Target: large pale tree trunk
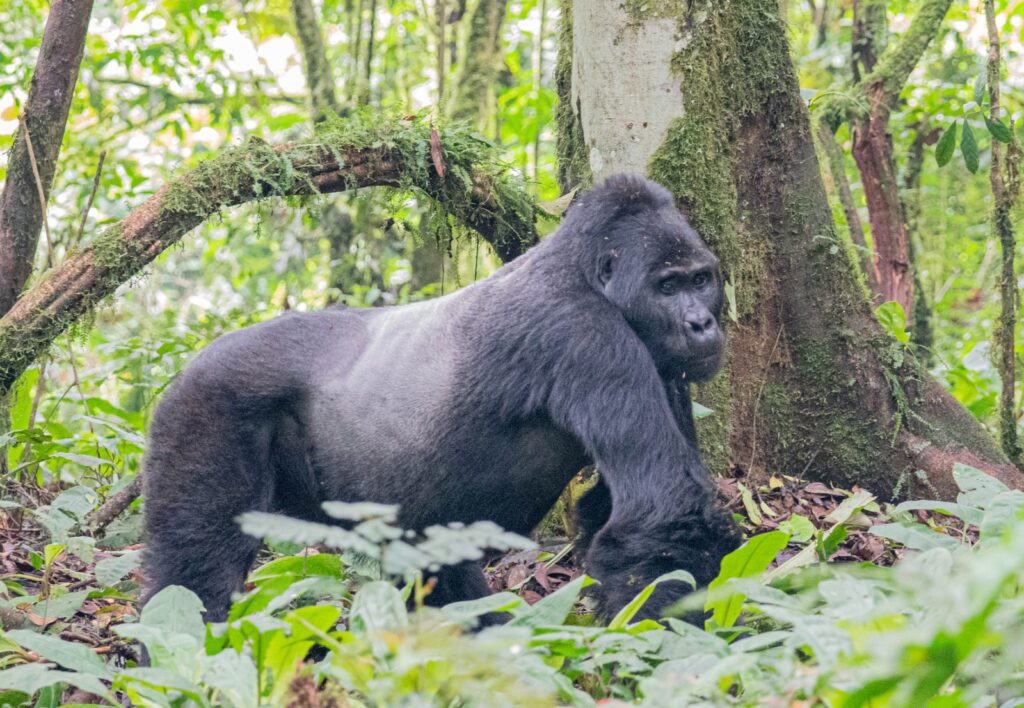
[{"x": 702, "y": 96}]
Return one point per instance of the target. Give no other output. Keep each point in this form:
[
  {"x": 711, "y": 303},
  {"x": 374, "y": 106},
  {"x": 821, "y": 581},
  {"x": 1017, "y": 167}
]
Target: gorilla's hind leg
[
  {"x": 211, "y": 562},
  {"x": 195, "y": 486}
]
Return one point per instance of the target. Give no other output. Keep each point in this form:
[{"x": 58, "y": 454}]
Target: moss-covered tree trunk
[{"x": 702, "y": 96}]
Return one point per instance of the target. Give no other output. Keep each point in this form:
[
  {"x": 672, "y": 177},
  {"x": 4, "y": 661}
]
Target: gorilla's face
[{"x": 669, "y": 288}]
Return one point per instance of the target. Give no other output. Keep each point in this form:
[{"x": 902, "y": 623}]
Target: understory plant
[{"x": 942, "y": 627}]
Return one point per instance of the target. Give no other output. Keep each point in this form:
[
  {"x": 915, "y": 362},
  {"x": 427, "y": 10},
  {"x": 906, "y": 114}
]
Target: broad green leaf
[
  {"x": 24, "y": 392},
  {"x": 76, "y": 501},
  {"x": 82, "y": 547},
  {"x": 286, "y": 650},
  {"x": 32, "y": 678},
  {"x": 799, "y": 528},
  {"x": 471, "y": 609},
  {"x": 628, "y": 612},
  {"x": 999, "y": 130},
  {"x": 89, "y": 461},
  {"x": 21, "y": 410},
  {"x": 969, "y": 148},
  {"x": 1003, "y": 510},
  {"x": 234, "y": 675},
  {"x": 168, "y": 649},
  {"x": 378, "y": 607},
  {"x": 700, "y": 411},
  {"x": 946, "y": 145},
  {"x": 981, "y": 84},
  {"x": 914, "y": 536},
  {"x": 70, "y": 655},
  {"x": 554, "y": 608},
  {"x": 175, "y": 609},
  {"x": 893, "y": 319},
  {"x": 977, "y": 489},
  {"x": 110, "y": 570},
  {"x": 326, "y": 564},
  {"x": 967, "y": 514},
  {"x": 166, "y": 678},
  {"x": 51, "y": 551},
  {"x": 61, "y": 604},
  {"x": 750, "y": 559}
]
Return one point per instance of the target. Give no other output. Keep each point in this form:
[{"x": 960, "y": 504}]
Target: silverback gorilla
[{"x": 481, "y": 404}]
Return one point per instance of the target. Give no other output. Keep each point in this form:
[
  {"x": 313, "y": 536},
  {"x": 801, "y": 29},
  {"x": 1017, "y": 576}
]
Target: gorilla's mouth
[{"x": 701, "y": 367}]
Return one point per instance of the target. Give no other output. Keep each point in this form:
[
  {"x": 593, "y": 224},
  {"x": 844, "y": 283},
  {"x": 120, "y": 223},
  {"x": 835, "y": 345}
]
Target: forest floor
[{"x": 82, "y": 608}]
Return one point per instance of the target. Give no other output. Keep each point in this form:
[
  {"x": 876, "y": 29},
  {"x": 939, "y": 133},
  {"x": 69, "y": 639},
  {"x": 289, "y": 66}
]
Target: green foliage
[
  {"x": 947, "y": 143},
  {"x": 749, "y": 560},
  {"x": 894, "y": 320},
  {"x": 942, "y": 627}
]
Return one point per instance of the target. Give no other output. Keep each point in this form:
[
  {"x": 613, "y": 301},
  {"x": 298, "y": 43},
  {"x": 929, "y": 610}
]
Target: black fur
[{"x": 478, "y": 405}]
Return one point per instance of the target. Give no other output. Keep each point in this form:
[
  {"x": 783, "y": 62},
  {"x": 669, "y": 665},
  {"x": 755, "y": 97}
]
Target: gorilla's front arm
[{"x": 479, "y": 405}]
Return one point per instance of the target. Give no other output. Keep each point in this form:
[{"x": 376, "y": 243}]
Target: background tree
[{"x": 813, "y": 382}]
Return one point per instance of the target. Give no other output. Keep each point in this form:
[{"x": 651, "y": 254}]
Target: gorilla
[{"x": 481, "y": 404}]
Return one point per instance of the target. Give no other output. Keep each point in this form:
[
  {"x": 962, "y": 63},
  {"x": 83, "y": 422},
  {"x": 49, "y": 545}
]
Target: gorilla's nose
[{"x": 701, "y": 326}]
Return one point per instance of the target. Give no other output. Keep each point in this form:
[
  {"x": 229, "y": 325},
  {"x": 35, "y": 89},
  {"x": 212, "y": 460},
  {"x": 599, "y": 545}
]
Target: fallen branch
[
  {"x": 100, "y": 518},
  {"x": 345, "y": 156}
]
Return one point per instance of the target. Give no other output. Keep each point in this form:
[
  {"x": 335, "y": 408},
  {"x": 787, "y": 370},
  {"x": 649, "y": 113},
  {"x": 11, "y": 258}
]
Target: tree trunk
[
  {"x": 473, "y": 99},
  {"x": 319, "y": 75},
  {"x": 45, "y": 115},
  {"x": 1004, "y": 197},
  {"x": 704, "y": 98},
  {"x": 872, "y": 144}
]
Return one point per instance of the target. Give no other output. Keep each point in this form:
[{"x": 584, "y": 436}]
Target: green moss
[
  {"x": 573, "y": 162},
  {"x": 715, "y": 430},
  {"x": 643, "y": 10},
  {"x": 895, "y": 65},
  {"x": 477, "y": 191},
  {"x": 727, "y": 63}
]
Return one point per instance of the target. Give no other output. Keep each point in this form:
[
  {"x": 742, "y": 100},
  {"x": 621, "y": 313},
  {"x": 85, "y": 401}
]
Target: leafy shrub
[{"x": 942, "y": 627}]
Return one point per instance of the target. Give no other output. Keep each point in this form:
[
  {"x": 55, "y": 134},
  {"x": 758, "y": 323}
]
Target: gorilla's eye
[
  {"x": 670, "y": 285},
  {"x": 700, "y": 280}
]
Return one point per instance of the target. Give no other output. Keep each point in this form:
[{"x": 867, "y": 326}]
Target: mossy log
[{"x": 474, "y": 190}]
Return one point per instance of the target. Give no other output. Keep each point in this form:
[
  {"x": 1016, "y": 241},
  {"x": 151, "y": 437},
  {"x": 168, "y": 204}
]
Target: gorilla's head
[{"x": 643, "y": 255}]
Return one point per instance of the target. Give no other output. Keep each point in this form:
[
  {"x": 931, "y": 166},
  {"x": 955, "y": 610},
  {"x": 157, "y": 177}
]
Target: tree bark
[
  {"x": 473, "y": 100},
  {"x": 45, "y": 115},
  {"x": 494, "y": 205},
  {"x": 841, "y": 184},
  {"x": 811, "y": 385},
  {"x": 1003, "y": 198},
  {"x": 319, "y": 75},
  {"x": 910, "y": 197},
  {"x": 573, "y": 170},
  {"x": 872, "y": 143}
]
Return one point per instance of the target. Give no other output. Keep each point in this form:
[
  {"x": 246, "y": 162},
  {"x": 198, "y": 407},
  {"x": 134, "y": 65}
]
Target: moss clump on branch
[{"x": 475, "y": 189}]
